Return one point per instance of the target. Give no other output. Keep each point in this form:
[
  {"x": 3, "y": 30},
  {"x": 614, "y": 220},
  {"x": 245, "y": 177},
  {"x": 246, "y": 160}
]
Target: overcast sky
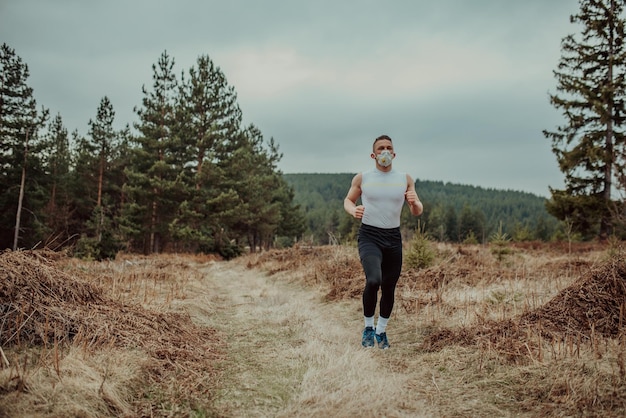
[{"x": 460, "y": 85}]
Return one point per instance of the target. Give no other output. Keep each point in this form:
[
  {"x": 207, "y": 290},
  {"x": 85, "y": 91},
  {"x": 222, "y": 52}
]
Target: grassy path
[{"x": 291, "y": 354}]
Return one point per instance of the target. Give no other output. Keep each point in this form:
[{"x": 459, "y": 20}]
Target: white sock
[
  {"x": 369, "y": 321},
  {"x": 381, "y": 325}
]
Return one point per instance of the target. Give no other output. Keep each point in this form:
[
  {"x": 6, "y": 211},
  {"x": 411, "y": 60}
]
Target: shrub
[
  {"x": 421, "y": 253},
  {"x": 499, "y": 243}
]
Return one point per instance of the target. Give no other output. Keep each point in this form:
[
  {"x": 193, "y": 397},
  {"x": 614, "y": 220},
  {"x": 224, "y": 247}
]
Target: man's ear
[{"x": 373, "y": 156}]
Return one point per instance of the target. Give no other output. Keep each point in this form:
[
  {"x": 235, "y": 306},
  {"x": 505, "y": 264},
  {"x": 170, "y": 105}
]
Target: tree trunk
[
  {"x": 99, "y": 202},
  {"x": 18, "y": 215},
  {"x": 605, "y": 221}
]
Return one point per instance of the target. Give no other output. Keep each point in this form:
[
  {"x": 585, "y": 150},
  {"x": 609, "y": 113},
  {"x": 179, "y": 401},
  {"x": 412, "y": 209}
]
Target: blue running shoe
[
  {"x": 382, "y": 341},
  {"x": 368, "y": 337}
]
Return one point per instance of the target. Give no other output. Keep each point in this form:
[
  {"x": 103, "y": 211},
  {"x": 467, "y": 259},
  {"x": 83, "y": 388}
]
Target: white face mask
[{"x": 384, "y": 158}]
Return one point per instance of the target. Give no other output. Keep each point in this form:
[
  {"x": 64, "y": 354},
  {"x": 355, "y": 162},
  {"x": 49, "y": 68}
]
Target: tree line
[
  {"x": 452, "y": 212},
  {"x": 191, "y": 179}
]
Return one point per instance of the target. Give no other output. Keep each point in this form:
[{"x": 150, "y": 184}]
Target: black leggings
[{"x": 380, "y": 251}]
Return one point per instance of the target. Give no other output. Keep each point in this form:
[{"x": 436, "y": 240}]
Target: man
[{"x": 383, "y": 192}]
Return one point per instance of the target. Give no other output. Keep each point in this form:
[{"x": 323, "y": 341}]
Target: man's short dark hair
[{"x": 380, "y": 138}]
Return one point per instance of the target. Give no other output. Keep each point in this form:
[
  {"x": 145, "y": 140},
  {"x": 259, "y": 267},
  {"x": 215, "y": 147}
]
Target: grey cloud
[{"x": 463, "y": 131}]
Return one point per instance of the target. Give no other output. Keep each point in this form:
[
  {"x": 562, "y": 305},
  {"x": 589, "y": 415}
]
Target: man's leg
[
  {"x": 371, "y": 258},
  {"x": 390, "y": 270}
]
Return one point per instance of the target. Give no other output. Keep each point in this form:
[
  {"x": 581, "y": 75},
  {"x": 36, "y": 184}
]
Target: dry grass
[
  {"x": 290, "y": 353},
  {"x": 538, "y": 333},
  {"x": 53, "y": 307}
]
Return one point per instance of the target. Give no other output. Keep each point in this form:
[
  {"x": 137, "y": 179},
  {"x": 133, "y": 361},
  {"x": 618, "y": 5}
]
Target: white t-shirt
[{"x": 382, "y": 195}]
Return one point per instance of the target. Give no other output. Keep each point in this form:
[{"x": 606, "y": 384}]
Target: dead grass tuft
[
  {"x": 43, "y": 306},
  {"x": 333, "y": 266},
  {"x": 592, "y": 306}
]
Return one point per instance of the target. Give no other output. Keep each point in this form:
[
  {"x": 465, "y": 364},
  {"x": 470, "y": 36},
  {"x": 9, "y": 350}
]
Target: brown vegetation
[
  {"x": 548, "y": 319},
  {"x": 549, "y": 305},
  {"x": 45, "y": 306},
  {"x": 593, "y": 306}
]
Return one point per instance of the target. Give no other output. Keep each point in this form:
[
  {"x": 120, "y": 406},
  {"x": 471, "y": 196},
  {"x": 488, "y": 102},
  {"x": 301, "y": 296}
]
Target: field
[{"x": 536, "y": 330}]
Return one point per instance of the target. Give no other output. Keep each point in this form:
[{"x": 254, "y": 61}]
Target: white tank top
[{"x": 382, "y": 195}]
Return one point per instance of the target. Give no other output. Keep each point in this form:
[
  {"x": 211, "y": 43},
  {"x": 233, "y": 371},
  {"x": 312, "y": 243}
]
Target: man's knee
[{"x": 373, "y": 282}]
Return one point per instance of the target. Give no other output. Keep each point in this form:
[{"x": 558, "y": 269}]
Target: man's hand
[
  {"x": 358, "y": 211},
  {"x": 411, "y": 197}
]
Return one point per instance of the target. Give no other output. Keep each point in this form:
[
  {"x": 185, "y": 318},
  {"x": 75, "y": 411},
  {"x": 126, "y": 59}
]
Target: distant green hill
[{"x": 452, "y": 212}]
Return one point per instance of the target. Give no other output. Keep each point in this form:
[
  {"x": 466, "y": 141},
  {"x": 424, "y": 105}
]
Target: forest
[
  {"x": 188, "y": 178},
  {"x": 452, "y": 212}
]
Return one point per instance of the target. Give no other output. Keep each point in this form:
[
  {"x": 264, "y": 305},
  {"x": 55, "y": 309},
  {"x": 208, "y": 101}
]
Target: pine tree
[
  {"x": 590, "y": 148},
  {"x": 292, "y": 221},
  {"x": 212, "y": 118},
  {"x": 156, "y": 164},
  {"x": 98, "y": 152},
  {"x": 252, "y": 173},
  {"x": 472, "y": 223},
  {"x": 452, "y": 225},
  {"x": 20, "y": 148},
  {"x": 436, "y": 222},
  {"x": 209, "y": 130},
  {"x": 104, "y": 141},
  {"x": 57, "y": 164},
  {"x": 82, "y": 183}
]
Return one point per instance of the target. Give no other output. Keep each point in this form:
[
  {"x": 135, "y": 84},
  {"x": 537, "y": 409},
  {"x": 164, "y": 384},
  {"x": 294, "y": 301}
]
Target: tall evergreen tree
[
  {"x": 209, "y": 130},
  {"x": 452, "y": 225},
  {"x": 57, "y": 164},
  {"x": 156, "y": 164},
  {"x": 212, "y": 118},
  {"x": 472, "y": 223},
  {"x": 104, "y": 140},
  {"x": 292, "y": 220},
  {"x": 97, "y": 153},
  {"x": 436, "y": 222},
  {"x": 590, "y": 147},
  {"x": 266, "y": 209},
  {"x": 20, "y": 148},
  {"x": 82, "y": 182}
]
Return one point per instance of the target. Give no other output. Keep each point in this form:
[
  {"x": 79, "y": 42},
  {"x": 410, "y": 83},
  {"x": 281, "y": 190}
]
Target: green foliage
[
  {"x": 190, "y": 179},
  {"x": 57, "y": 163},
  {"x": 105, "y": 247},
  {"x": 100, "y": 240},
  {"x": 22, "y": 177},
  {"x": 421, "y": 253},
  {"x": 520, "y": 233},
  {"x": 470, "y": 238},
  {"x": 154, "y": 187},
  {"x": 500, "y": 244},
  {"x": 438, "y": 222},
  {"x": 471, "y": 222},
  {"x": 320, "y": 196},
  {"x": 451, "y": 210},
  {"x": 226, "y": 249},
  {"x": 566, "y": 232},
  {"x": 591, "y": 145},
  {"x": 284, "y": 242}
]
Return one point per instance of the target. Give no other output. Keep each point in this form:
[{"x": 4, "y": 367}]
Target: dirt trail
[{"x": 289, "y": 353}]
